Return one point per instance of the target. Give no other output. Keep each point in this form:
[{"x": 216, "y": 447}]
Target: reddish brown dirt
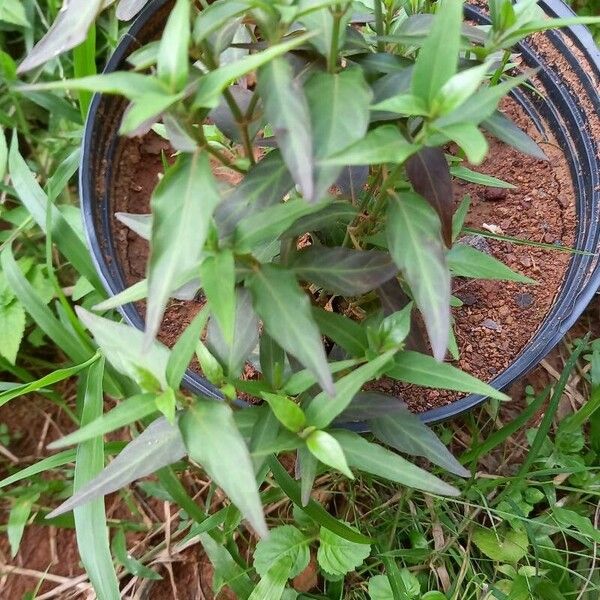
[{"x": 497, "y": 318}]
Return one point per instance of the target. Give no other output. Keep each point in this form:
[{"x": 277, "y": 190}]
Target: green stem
[
  {"x": 379, "y": 30},
  {"x": 496, "y": 77},
  {"x": 335, "y": 40}
]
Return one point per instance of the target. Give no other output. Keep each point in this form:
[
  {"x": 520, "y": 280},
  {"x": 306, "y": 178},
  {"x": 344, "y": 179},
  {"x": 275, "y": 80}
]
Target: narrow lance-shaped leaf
[
  {"x": 413, "y": 233},
  {"x": 327, "y": 449},
  {"x": 405, "y": 432},
  {"x": 438, "y": 57},
  {"x": 172, "y": 65},
  {"x": 217, "y": 274},
  {"x": 342, "y": 330},
  {"x": 424, "y": 370},
  {"x": 156, "y": 447},
  {"x": 287, "y": 110},
  {"x": 123, "y": 347},
  {"x": 342, "y": 270},
  {"x": 90, "y": 519},
  {"x": 339, "y": 112},
  {"x": 374, "y": 459},
  {"x": 68, "y": 30},
  {"x": 127, "y": 9},
  {"x": 429, "y": 174},
  {"x": 182, "y": 207},
  {"x": 140, "y": 224},
  {"x": 215, "y": 16},
  {"x": 509, "y": 133},
  {"x": 245, "y": 336},
  {"x": 285, "y": 310},
  {"x": 213, "y": 440}
]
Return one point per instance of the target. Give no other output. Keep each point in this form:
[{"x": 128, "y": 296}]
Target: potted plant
[{"x": 301, "y": 194}]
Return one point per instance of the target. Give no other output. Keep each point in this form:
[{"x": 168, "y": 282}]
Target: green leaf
[
  {"x": 285, "y": 310},
  {"x": 68, "y": 30},
  {"x": 133, "y": 566},
  {"x": 18, "y": 517},
  {"x": 338, "y": 556},
  {"x": 479, "y": 178},
  {"x": 505, "y": 545},
  {"x": 213, "y": 440},
  {"x": 270, "y": 223},
  {"x": 343, "y": 271},
  {"x": 212, "y": 84},
  {"x": 582, "y": 524},
  {"x": 312, "y": 509},
  {"x": 217, "y": 274},
  {"x": 172, "y": 64},
  {"x": 285, "y": 541},
  {"x": 381, "y": 145},
  {"x": 127, "y": 9},
  {"x": 272, "y": 361},
  {"x": 133, "y": 409},
  {"x": 215, "y": 16},
  {"x": 380, "y": 587},
  {"x": 123, "y": 347},
  {"x": 3, "y": 154},
  {"x": 272, "y": 584},
  {"x": 36, "y": 202},
  {"x": 12, "y": 327},
  {"x": 342, "y": 330},
  {"x": 159, "y": 445},
  {"x": 545, "y": 24},
  {"x": 301, "y": 381},
  {"x": 334, "y": 214},
  {"x": 458, "y": 89},
  {"x": 323, "y": 409},
  {"x": 177, "y": 215},
  {"x": 183, "y": 351},
  {"x": 339, "y": 112},
  {"x": 509, "y": 133},
  {"x": 90, "y": 519},
  {"x": 287, "y": 111},
  {"x": 145, "y": 111},
  {"x": 413, "y": 234},
  {"x": 424, "y": 370},
  {"x": 406, "y": 433},
  {"x": 13, "y": 11},
  {"x": 288, "y": 413},
  {"x": 469, "y": 138},
  {"x": 374, "y": 459},
  {"x": 245, "y": 336},
  {"x": 403, "y": 104},
  {"x": 438, "y": 58},
  {"x": 326, "y": 448},
  {"x": 466, "y": 261},
  {"x": 307, "y": 466}
]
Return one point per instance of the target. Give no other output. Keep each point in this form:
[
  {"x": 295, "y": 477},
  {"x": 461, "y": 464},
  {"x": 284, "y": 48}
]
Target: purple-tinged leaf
[{"x": 429, "y": 175}]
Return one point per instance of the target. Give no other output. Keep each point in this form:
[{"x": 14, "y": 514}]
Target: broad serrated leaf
[
  {"x": 286, "y": 314},
  {"x": 182, "y": 207},
  {"x": 509, "y": 133},
  {"x": 124, "y": 348},
  {"x": 406, "y": 433},
  {"x": 339, "y": 112},
  {"x": 126, "y": 412},
  {"x": 506, "y": 545},
  {"x": 324, "y": 447},
  {"x": 12, "y": 327},
  {"x": 466, "y": 261},
  {"x": 287, "y": 111},
  {"x": 424, "y": 370},
  {"x": 322, "y": 410},
  {"x": 214, "y": 441},
  {"x": 90, "y": 517},
  {"x": 413, "y": 234},
  {"x": 172, "y": 63},
  {"x": 374, "y": 459},
  {"x": 68, "y": 30},
  {"x": 381, "y": 145},
  {"x": 213, "y": 83},
  {"x": 438, "y": 57},
  {"x": 343, "y": 271},
  {"x": 217, "y": 274},
  {"x": 338, "y": 556},
  {"x": 428, "y": 172},
  {"x": 283, "y": 541},
  {"x": 156, "y": 447}
]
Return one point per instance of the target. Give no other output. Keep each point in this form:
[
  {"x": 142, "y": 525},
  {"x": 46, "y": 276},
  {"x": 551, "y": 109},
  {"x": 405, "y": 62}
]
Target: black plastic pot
[{"x": 567, "y": 110}]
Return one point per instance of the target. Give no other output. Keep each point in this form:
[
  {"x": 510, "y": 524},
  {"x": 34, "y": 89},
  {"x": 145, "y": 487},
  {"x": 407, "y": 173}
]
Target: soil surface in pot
[{"x": 497, "y": 319}]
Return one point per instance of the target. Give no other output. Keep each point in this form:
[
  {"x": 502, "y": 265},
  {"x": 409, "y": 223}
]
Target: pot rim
[{"x": 573, "y": 296}]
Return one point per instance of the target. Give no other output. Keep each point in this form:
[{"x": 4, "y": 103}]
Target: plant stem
[
  {"x": 379, "y": 30},
  {"x": 335, "y": 39}
]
